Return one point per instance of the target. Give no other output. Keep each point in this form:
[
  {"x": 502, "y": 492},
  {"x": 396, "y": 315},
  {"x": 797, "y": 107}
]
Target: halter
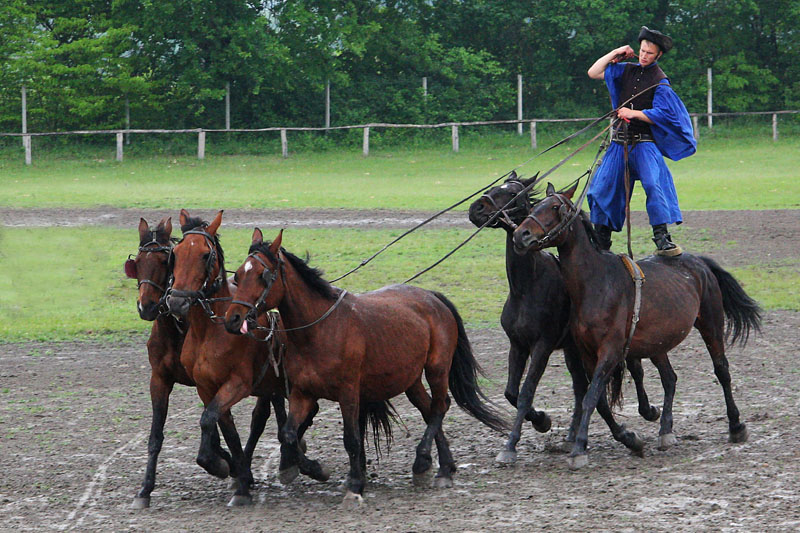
[
  {"x": 567, "y": 211},
  {"x": 506, "y": 213},
  {"x": 146, "y": 248},
  {"x": 202, "y": 296}
]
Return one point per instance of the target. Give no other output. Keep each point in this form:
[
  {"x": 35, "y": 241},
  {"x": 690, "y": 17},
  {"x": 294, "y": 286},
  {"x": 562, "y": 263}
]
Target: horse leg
[
  {"x": 620, "y": 433},
  {"x": 716, "y": 347},
  {"x": 539, "y": 357},
  {"x": 649, "y": 412},
  {"x": 596, "y": 398},
  {"x": 580, "y": 384},
  {"x": 420, "y": 398},
  {"x": 308, "y": 467},
  {"x": 160, "y": 390},
  {"x": 353, "y": 444},
  {"x": 258, "y": 421},
  {"x": 666, "y": 438},
  {"x": 517, "y": 358},
  {"x": 300, "y": 407}
]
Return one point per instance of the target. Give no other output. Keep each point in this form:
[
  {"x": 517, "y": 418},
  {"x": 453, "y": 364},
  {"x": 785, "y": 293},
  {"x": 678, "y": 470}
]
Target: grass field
[
  {"x": 59, "y": 283},
  {"x": 749, "y": 173}
]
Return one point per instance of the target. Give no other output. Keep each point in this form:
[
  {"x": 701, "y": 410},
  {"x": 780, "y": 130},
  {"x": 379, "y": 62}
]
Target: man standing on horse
[{"x": 656, "y": 124}]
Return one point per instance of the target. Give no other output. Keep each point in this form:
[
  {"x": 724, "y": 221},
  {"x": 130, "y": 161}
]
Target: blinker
[{"x": 130, "y": 269}]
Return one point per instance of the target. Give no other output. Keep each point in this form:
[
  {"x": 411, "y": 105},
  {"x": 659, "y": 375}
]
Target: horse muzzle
[
  {"x": 148, "y": 312},
  {"x": 525, "y": 241},
  {"x": 233, "y": 323},
  {"x": 179, "y": 305}
]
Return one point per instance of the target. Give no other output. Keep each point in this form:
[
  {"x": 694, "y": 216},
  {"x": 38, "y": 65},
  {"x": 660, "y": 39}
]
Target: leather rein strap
[{"x": 638, "y": 279}]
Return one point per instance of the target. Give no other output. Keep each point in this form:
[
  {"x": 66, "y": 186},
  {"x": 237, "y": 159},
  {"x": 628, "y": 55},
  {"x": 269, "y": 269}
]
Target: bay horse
[
  {"x": 226, "y": 368},
  {"x": 535, "y": 318},
  {"x": 362, "y": 350},
  {"x": 678, "y": 292},
  {"x": 151, "y": 269}
]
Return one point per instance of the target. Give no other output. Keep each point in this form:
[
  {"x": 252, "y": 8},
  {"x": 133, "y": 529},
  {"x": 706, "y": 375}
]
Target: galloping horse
[
  {"x": 226, "y": 368},
  {"x": 535, "y": 318},
  {"x": 361, "y": 350},
  {"x": 678, "y": 293},
  {"x": 151, "y": 269}
]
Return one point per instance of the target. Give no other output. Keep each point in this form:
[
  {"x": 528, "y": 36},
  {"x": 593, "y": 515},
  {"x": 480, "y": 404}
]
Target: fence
[{"x": 201, "y": 132}]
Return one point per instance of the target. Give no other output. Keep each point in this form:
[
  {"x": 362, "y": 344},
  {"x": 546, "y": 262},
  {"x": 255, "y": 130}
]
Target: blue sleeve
[
  {"x": 672, "y": 126},
  {"x": 612, "y": 76}
]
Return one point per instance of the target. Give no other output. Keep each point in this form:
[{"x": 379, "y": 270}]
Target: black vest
[{"x": 634, "y": 80}]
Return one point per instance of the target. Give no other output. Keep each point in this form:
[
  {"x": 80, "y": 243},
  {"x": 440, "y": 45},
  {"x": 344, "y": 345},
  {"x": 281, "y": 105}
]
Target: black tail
[
  {"x": 743, "y": 314},
  {"x": 614, "y": 388},
  {"x": 379, "y": 416},
  {"x": 463, "y": 378}
]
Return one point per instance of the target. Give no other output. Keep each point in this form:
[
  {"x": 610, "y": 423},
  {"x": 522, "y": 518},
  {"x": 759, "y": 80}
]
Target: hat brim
[{"x": 664, "y": 42}]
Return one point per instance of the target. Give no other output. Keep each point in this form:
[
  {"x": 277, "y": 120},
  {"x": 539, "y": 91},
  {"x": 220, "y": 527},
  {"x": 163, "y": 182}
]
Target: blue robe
[{"x": 673, "y": 136}]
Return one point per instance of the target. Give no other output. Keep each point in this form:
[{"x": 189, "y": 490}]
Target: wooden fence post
[
  {"x": 284, "y": 144},
  {"x": 774, "y": 126},
  {"x": 120, "y": 139},
  {"x": 696, "y": 128},
  {"x": 227, "y": 105},
  {"x": 533, "y": 135},
  {"x": 26, "y": 142},
  {"x": 710, "y": 100},
  {"x": 455, "y": 138},
  {"x": 366, "y": 141},
  {"x": 519, "y": 103},
  {"x": 201, "y": 144}
]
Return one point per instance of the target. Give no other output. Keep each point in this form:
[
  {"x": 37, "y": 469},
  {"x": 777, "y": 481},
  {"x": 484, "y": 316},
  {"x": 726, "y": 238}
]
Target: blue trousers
[{"x": 606, "y": 194}]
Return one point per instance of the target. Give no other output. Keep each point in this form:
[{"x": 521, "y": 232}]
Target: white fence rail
[{"x": 201, "y": 132}]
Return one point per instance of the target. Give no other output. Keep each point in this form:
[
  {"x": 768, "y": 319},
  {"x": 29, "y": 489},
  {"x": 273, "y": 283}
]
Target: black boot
[
  {"x": 603, "y": 236},
  {"x": 664, "y": 244}
]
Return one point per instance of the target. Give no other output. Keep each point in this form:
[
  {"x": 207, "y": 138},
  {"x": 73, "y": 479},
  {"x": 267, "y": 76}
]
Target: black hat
[{"x": 664, "y": 42}]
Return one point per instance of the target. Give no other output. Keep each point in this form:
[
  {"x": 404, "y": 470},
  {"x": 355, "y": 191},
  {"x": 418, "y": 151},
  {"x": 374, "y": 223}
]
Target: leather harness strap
[{"x": 638, "y": 279}]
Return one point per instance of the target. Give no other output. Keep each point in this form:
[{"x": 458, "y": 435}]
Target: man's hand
[{"x": 622, "y": 53}]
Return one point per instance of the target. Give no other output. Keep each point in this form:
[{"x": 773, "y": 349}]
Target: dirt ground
[{"x": 74, "y": 420}]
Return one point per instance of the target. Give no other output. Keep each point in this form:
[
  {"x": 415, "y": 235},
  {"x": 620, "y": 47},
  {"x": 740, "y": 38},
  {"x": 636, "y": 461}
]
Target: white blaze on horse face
[{"x": 248, "y": 266}]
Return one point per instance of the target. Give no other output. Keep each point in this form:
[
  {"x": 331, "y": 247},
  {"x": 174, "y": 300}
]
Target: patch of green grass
[{"x": 751, "y": 172}]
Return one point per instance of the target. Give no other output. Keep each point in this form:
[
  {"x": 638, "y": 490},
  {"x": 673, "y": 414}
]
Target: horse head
[
  {"x": 198, "y": 264},
  {"x": 544, "y": 226},
  {"x": 151, "y": 266},
  {"x": 255, "y": 279},
  {"x": 507, "y": 198}
]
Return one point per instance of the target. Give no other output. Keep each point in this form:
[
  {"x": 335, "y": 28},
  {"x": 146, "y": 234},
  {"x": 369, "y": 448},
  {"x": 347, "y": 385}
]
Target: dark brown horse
[
  {"x": 151, "y": 269},
  {"x": 535, "y": 318},
  {"x": 678, "y": 293},
  {"x": 225, "y": 368},
  {"x": 362, "y": 350}
]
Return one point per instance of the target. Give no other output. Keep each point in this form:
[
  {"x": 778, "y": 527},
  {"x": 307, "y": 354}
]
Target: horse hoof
[
  {"x": 351, "y": 500},
  {"x": 302, "y": 445},
  {"x": 544, "y": 425},
  {"x": 506, "y": 457},
  {"x": 666, "y": 441},
  {"x": 442, "y": 482},
  {"x": 240, "y": 500},
  {"x": 637, "y": 445},
  {"x": 288, "y": 475},
  {"x": 740, "y": 436},
  {"x": 141, "y": 502},
  {"x": 421, "y": 480},
  {"x": 217, "y": 467},
  {"x": 318, "y": 473},
  {"x": 653, "y": 414},
  {"x": 576, "y": 462}
]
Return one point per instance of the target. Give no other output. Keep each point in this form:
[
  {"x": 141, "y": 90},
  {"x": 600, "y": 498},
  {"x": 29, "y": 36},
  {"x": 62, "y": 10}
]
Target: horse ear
[
  {"x": 530, "y": 180},
  {"x": 166, "y": 226},
  {"x": 258, "y": 237},
  {"x": 550, "y": 189},
  {"x": 276, "y": 244},
  {"x": 214, "y": 226},
  {"x": 184, "y": 218},
  {"x": 144, "y": 229},
  {"x": 571, "y": 191},
  {"x": 512, "y": 175}
]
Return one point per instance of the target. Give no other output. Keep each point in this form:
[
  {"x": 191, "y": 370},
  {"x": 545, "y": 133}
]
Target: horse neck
[
  {"x": 199, "y": 320},
  {"x": 301, "y": 305},
  {"x": 581, "y": 263},
  {"x": 521, "y": 270}
]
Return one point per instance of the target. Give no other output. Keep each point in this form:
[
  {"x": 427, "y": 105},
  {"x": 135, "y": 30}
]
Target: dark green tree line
[{"x": 82, "y": 60}]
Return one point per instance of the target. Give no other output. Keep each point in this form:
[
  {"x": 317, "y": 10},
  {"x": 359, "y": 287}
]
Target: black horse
[
  {"x": 678, "y": 293},
  {"x": 536, "y": 318}
]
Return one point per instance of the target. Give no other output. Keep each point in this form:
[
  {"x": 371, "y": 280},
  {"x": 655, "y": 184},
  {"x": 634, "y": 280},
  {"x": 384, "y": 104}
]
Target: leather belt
[{"x": 632, "y": 138}]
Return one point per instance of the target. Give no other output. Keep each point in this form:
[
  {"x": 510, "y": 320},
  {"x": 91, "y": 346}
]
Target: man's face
[{"x": 648, "y": 53}]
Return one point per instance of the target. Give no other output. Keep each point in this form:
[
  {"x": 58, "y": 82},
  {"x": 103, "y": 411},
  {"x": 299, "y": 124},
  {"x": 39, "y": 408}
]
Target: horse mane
[
  {"x": 310, "y": 275},
  {"x": 587, "y": 224},
  {"x": 199, "y": 223}
]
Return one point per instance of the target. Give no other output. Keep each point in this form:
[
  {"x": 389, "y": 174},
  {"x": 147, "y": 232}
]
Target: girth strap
[{"x": 638, "y": 279}]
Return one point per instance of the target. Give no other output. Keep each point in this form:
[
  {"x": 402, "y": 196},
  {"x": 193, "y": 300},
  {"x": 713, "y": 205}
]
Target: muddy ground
[{"x": 74, "y": 420}]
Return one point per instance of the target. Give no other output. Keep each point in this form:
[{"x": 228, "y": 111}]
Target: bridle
[
  {"x": 522, "y": 203},
  {"x": 268, "y": 277},
  {"x": 146, "y": 247},
  {"x": 209, "y": 287},
  {"x": 567, "y": 213}
]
